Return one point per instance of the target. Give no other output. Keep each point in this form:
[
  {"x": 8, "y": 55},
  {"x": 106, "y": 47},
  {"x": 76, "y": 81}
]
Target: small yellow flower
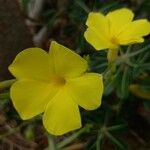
[
  {"x": 114, "y": 29},
  {"x": 137, "y": 91},
  {"x": 54, "y": 83}
]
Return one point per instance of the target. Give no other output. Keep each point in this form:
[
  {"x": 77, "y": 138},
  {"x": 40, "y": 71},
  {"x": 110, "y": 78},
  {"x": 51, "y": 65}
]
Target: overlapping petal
[
  {"x": 96, "y": 39},
  {"x": 99, "y": 23},
  {"x": 62, "y": 114},
  {"x": 66, "y": 62},
  {"x": 27, "y": 63},
  {"x": 87, "y": 90},
  {"x": 30, "y": 97},
  {"x": 134, "y": 32},
  {"x": 97, "y": 33},
  {"x": 118, "y": 19}
]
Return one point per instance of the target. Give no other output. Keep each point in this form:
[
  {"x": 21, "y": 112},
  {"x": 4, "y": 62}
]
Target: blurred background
[{"x": 30, "y": 23}]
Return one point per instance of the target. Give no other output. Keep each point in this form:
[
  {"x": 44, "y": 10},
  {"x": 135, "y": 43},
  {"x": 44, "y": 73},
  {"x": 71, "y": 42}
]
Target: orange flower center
[
  {"x": 58, "y": 80},
  {"x": 114, "y": 40}
]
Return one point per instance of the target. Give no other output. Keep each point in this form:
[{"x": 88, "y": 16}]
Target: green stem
[
  {"x": 99, "y": 140},
  {"x": 129, "y": 49},
  {"x": 139, "y": 51},
  {"x": 6, "y": 83},
  {"x": 126, "y": 56},
  {"x": 112, "y": 55},
  {"x": 114, "y": 140},
  {"x": 118, "y": 106},
  {"x": 102, "y": 131},
  {"x": 51, "y": 142},
  {"x": 73, "y": 137},
  {"x": 83, "y": 6},
  {"x": 117, "y": 127}
]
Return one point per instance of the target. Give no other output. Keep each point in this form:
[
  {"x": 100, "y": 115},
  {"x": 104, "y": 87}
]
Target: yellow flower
[
  {"x": 137, "y": 91},
  {"x": 54, "y": 83},
  {"x": 114, "y": 29}
]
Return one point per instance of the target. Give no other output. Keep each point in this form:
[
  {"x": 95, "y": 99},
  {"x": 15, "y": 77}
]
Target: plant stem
[
  {"x": 73, "y": 137},
  {"x": 129, "y": 49},
  {"x": 83, "y": 6},
  {"x": 125, "y": 57},
  {"x": 117, "y": 127},
  {"x": 139, "y": 51},
  {"x": 6, "y": 83},
  {"x": 114, "y": 140},
  {"x": 99, "y": 140},
  {"x": 51, "y": 142}
]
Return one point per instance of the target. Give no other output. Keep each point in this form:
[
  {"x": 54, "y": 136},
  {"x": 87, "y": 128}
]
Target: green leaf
[
  {"x": 110, "y": 85},
  {"x": 99, "y": 140},
  {"x": 117, "y": 127},
  {"x": 123, "y": 91},
  {"x": 74, "y": 136},
  {"x": 116, "y": 142},
  {"x": 4, "y": 96}
]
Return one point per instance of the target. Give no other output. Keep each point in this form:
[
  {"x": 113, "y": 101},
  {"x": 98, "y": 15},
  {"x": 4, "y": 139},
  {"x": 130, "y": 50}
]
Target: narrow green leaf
[
  {"x": 111, "y": 84},
  {"x": 116, "y": 142},
  {"x": 74, "y": 136},
  {"x": 117, "y": 127},
  {"x": 4, "y": 96},
  {"x": 99, "y": 140},
  {"x": 125, "y": 83}
]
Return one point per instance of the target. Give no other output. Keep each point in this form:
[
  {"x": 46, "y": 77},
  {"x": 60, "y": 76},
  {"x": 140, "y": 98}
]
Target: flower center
[
  {"x": 59, "y": 81},
  {"x": 114, "y": 40}
]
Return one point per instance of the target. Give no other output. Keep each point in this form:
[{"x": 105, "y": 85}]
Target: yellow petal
[
  {"x": 134, "y": 32},
  {"x": 32, "y": 63},
  {"x": 136, "y": 90},
  {"x": 66, "y": 62},
  {"x": 97, "y": 33},
  {"x": 30, "y": 97},
  {"x": 96, "y": 39},
  {"x": 99, "y": 23},
  {"x": 61, "y": 115},
  {"x": 87, "y": 90},
  {"x": 118, "y": 19}
]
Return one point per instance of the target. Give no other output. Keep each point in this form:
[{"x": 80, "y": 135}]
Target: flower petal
[
  {"x": 32, "y": 63},
  {"x": 99, "y": 23},
  {"x": 96, "y": 39},
  {"x": 30, "y": 97},
  {"x": 118, "y": 19},
  {"x": 87, "y": 90},
  {"x": 61, "y": 115},
  {"x": 66, "y": 62},
  {"x": 98, "y": 31},
  {"x": 134, "y": 32}
]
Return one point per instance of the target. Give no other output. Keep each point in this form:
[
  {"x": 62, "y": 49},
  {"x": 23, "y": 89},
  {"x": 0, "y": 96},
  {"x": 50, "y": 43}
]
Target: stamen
[
  {"x": 58, "y": 80},
  {"x": 114, "y": 40}
]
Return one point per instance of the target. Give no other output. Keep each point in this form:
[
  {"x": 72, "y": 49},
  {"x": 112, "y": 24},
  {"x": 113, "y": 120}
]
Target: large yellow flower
[
  {"x": 114, "y": 29},
  {"x": 55, "y": 83}
]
